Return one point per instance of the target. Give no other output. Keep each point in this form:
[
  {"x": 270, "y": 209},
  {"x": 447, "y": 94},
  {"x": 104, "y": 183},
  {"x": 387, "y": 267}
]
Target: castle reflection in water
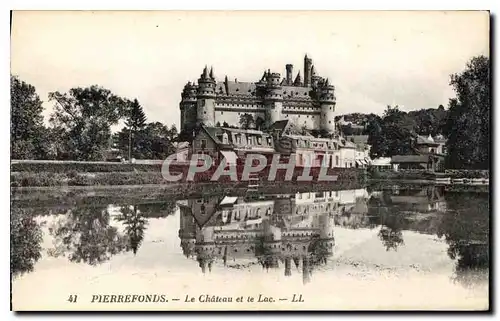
[{"x": 280, "y": 229}]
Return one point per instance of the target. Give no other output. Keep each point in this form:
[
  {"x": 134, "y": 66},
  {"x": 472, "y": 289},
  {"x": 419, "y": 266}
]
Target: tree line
[
  {"x": 465, "y": 124},
  {"x": 80, "y": 126}
]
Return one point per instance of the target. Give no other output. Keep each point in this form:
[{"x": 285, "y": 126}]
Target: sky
[{"x": 373, "y": 58}]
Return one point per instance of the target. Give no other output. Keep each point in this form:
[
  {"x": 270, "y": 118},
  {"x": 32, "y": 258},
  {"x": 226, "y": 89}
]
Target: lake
[{"x": 363, "y": 249}]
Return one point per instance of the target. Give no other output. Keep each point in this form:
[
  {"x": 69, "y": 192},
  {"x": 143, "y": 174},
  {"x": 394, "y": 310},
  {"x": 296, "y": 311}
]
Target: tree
[
  {"x": 158, "y": 141},
  {"x": 247, "y": 121},
  {"x": 376, "y": 138},
  {"x": 260, "y": 123},
  {"x": 390, "y": 135},
  {"x": 398, "y": 132},
  {"x": 468, "y": 123},
  {"x": 85, "y": 116},
  {"x": 26, "y": 122},
  {"x": 225, "y": 125},
  {"x": 135, "y": 122}
]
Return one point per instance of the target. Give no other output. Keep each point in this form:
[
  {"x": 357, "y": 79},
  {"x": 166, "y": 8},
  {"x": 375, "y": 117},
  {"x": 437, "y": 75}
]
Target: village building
[
  {"x": 232, "y": 144},
  {"x": 429, "y": 155},
  {"x": 362, "y": 157}
]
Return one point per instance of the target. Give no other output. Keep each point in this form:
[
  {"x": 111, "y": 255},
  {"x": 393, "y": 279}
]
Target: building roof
[
  {"x": 279, "y": 125},
  {"x": 422, "y": 140},
  {"x": 381, "y": 161},
  {"x": 235, "y": 88},
  {"x": 410, "y": 159},
  {"x": 358, "y": 139}
]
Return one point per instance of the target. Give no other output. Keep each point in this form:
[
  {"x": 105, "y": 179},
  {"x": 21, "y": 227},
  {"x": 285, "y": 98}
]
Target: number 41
[{"x": 72, "y": 298}]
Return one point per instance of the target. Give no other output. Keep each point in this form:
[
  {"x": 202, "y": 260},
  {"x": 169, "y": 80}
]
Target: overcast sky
[{"x": 373, "y": 58}]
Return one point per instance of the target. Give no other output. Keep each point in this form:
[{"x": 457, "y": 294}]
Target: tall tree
[
  {"x": 26, "y": 122},
  {"x": 391, "y": 135},
  {"x": 135, "y": 122},
  {"x": 157, "y": 141},
  {"x": 136, "y": 118},
  {"x": 247, "y": 121},
  {"x": 468, "y": 124},
  {"x": 85, "y": 116}
]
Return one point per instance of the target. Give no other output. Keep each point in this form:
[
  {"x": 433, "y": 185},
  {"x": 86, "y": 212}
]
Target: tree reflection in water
[
  {"x": 135, "y": 225},
  {"x": 466, "y": 229},
  {"x": 84, "y": 235},
  {"x": 25, "y": 242},
  {"x": 135, "y": 219},
  {"x": 382, "y": 212}
]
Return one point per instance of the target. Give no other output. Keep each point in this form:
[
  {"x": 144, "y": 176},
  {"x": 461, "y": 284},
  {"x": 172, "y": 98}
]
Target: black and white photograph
[{"x": 250, "y": 160}]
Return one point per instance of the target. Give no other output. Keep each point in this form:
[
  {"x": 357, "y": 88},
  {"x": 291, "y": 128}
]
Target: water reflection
[
  {"x": 466, "y": 230},
  {"x": 396, "y": 210},
  {"x": 291, "y": 232},
  {"x": 274, "y": 229},
  {"x": 25, "y": 242},
  {"x": 84, "y": 234}
]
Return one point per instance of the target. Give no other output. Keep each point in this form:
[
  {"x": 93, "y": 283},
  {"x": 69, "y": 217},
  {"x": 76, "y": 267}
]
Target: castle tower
[
  {"x": 289, "y": 72},
  {"x": 188, "y": 105},
  {"x": 273, "y": 99},
  {"x": 306, "y": 270},
  {"x": 314, "y": 78},
  {"x": 307, "y": 71},
  {"x": 327, "y": 101},
  {"x": 288, "y": 266},
  {"x": 206, "y": 98}
]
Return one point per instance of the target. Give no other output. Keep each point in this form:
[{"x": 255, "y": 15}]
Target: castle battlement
[{"x": 271, "y": 99}]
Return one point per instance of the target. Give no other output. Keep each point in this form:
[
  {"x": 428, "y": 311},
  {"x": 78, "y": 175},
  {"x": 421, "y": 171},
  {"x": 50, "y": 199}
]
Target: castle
[{"x": 308, "y": 103}]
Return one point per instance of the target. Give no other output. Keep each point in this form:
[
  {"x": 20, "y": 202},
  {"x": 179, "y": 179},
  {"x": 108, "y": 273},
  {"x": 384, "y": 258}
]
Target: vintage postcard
[{"x": 250, "y": 160}]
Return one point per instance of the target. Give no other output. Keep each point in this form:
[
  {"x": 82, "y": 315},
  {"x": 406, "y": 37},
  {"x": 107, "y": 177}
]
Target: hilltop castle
[{"x": 308, "y": 102}]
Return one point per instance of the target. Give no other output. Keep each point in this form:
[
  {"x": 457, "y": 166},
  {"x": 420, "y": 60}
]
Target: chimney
[
  {"x": 289, "y": 71},
  {"x": 307, "y": 71}
]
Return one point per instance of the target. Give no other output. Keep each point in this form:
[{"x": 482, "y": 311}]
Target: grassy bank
[
  {"x": 80, "y": 167},
  {"x": 61, "y": 174}
]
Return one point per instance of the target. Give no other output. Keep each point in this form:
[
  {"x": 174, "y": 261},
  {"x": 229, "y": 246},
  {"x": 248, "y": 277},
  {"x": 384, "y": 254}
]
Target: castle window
[
  {"x": 329, "y": 121},
  {"x": 203, "y": 143},
  {"x": 204, "y": 111},
  {"x": 222, "y": 113}
]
